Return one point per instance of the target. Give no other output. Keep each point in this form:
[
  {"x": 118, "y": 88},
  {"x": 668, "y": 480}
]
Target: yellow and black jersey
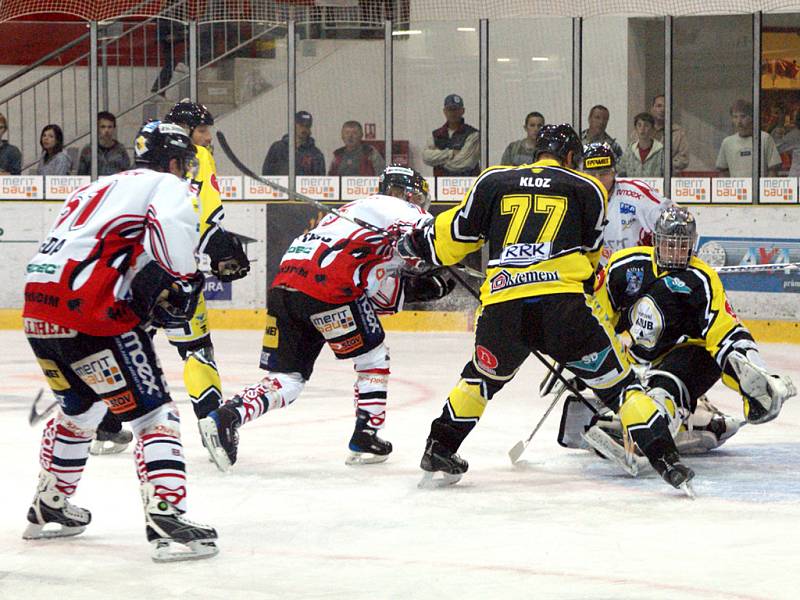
[
  {"x": 211, "y": 212},
  {"x": 664, "y": 309},
  {"x": 543, "y": 224}
]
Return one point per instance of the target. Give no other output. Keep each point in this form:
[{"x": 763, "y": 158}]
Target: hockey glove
[
  {"x": 423, "y": 288},
  {"x": 228, "y": 259},
  {"x": 178, "y": 303},
  {"x": 763, "y": 392},
  {"x": 412, "y": 247}
]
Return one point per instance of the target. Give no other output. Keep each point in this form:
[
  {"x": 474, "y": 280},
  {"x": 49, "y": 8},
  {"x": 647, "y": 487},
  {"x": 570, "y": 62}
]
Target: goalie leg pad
[
  {"x": 763, "y": 393},
  {"x": 706, "y": 429},
  {"x": 576, "y": 418}
]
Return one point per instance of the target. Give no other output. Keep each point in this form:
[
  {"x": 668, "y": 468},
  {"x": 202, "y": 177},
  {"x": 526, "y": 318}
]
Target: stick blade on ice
[{"x": 516, "y": 452}]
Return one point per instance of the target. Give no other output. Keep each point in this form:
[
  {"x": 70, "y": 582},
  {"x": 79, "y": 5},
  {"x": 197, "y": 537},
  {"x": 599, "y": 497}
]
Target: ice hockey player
[
  {"x": 331, "y": 282},
  {"x": 228, "y": 263},
  {"x": 120, "y": 256},
  {"x": 683, "y": 328},
  {"x": 543, "y": 223},
  {"x": 633, "y": 210}
]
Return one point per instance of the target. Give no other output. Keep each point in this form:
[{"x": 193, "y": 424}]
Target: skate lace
[{"x": 74, "y": 512}]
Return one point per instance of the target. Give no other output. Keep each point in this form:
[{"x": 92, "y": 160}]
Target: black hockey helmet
[
  {"x": 157, "y": 143},
  {"x": 674, "y": 237},
  {"x": 598, "y": 156},
  {"x": 413, "y": 185},
  {"x": 558, "y": 140},
  {"x": 189, "y": 114}
]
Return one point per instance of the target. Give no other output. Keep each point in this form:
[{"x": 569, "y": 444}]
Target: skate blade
[
  {"x": 107, "y": 447},
  {"x": 687, "y": 488},
  {"x": 606, "y": 446},
  {"x": 165, "y": 551},
  {"x": 365, "y": 458},
  {"x": 208, "y": 431},
  {"x": 34, "y": 531},
  {"x": 430, "y": 482}
]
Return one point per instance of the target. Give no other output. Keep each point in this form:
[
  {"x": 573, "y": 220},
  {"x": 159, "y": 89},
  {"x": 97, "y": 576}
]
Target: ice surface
[{"x": 295, "y": 522}]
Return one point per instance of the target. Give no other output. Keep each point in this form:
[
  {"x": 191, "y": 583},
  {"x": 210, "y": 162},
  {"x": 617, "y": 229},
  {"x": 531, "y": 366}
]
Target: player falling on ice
[
  {"x": 330, "y": 284},
  {"x": 120, "y": 256}
]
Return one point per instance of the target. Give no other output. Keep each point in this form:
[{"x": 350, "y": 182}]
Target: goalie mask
[
  {"x": 412, "y": 186},
  {"x": 674, "y": 238},
  {"x": 157, "y": 143}
]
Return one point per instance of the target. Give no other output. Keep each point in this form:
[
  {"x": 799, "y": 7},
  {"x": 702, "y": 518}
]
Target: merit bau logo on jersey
[
  {"x": 334, "y": 323},
  {"x": 505, "y": 280},
  {"x": 100, "y": 372}
]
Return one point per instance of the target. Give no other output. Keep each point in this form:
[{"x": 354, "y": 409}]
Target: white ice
[{"x": 295, "y": 522}]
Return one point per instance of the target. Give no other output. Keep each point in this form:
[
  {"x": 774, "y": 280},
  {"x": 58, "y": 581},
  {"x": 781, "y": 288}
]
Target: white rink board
[{"x": 296, "y": 523}]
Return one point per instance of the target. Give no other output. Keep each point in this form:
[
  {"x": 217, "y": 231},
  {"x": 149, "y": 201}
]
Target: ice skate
[
  {"x": 220, "y": 433},
  {"x": 365, "y": 445},
  {"x": 675, "y": 473},
  {"x": 106, "y": 442},
  {"x": 438, "y": 459},
  {"x": 173, "y": 536},
  {"x": 51, "y": 514}
]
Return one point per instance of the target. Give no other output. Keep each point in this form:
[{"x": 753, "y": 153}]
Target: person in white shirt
[{"x": 735, "y": 157}]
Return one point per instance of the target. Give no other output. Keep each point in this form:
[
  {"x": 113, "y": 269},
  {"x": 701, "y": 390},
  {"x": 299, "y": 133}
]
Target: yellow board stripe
[{"x": 785, "y": 332}]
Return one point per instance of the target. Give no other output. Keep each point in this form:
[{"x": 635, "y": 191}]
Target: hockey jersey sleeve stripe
[{"x": 646, "y": 190}]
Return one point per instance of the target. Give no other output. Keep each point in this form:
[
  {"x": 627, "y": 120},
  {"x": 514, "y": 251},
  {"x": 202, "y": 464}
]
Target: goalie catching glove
[
  {"x": 763, "y": 392},
  {"x": 228, "y": 259},
  {"x": 163, "y": 300},
  {"x": 422, "y": 288}
]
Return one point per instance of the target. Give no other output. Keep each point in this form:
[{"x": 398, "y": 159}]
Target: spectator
[
  {"x": 455, "y": 147},
  {"x": 596, "y": 133},
  {"x": 355, "y": 157},
  {"x": 680, "y": 143},
  {"x": 10, "y": 156},
  {"x": 735, "y": 157},
  {"x": 521, "y": 152},
  {"x": 308, "y": 158},
  {"x": 645, "y": 157},
  {"x": 54, "y": 159},
  {"x": 789, "y": 142},
  {"x": 111, "y": 155},
  {"x": 171, "y": 37}
]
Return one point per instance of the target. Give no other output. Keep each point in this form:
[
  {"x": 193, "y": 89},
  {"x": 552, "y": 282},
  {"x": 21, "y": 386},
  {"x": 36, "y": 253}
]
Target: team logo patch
[
  {"x": 591, "y": 362},
  {"x": 100, "y": 372},
  {"x": 334, "y": 323},
  {"x": 486, "y": 360},
  {"x": 55, "y": 378},
  {"x": 677, "y": 285},
  {"x": 504, "y": 279},
  {"x": 648, "y": 323},
  {"x": 522, "y": 255},
  {"x": 347, "y": 345},
  {"x": 634, "y": 277},
  {"x": 121, "y": 403},
  {"x": 626, "y": 209}
]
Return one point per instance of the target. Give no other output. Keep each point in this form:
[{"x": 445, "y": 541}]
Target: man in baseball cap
[
  {"x": 308, "y": 158},
  {"x": 455, "y": 147}
]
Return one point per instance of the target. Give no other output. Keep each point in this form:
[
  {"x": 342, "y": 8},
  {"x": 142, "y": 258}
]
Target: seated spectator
[
  {"x": 355, "y": 157},
  {"x": 521, "y": 152},
  {"x": 789, "y": 141},
  {"x": 735, "y": 157},
  {"x": 645, "y": 157},
  {"x": 455, "y": 149},
  {"x": 308, "y": 158},
  {"x": 596, "y": 133},
  {"x": 111, "y": 155},
  {"x": 10, "y": 156},
  {"x": 680, "y": 143},
  {"x": 54, "y": 159}
]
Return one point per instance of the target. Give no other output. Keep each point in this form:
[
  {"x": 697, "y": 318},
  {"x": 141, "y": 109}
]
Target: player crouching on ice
[
  {"x": 683, "y": 329},
  {"x": 120, "y": 256},
  {"x": 330, "y": 284}
]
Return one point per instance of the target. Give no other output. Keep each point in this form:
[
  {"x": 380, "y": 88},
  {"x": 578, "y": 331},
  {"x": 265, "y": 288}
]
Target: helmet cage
[{"x": 674, "y": 238}]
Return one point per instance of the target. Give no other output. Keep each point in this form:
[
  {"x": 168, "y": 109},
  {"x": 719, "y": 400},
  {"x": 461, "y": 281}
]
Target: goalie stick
[
  {"x": 223, "y": 142},
  {"x": 35, "y": 415}
]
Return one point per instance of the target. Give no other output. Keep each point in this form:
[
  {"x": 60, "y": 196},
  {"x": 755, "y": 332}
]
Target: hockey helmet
[
  {"x": 598, "y": 156},
  {"x": 674, "y": 238},
  {"x": 189, "y": 114},
  {"x": 558, "y": 140},
  {"x": 412, "y": 184},
  {"x": 157, "y": 143}
]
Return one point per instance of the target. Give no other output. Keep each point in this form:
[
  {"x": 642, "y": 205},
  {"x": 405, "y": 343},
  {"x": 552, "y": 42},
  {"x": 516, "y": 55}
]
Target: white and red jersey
[
  {"x": 105, "y": 232},
  {"x": 338, "y": 261},
  {"x": 633, "y": 209}
]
